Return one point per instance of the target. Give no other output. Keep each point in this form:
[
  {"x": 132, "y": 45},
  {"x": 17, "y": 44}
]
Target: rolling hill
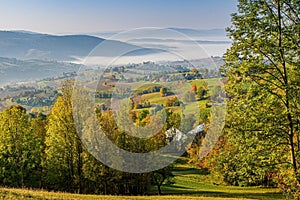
[
  {"x": 28, "y": 45},
  {"x": 13, "y": 70}
]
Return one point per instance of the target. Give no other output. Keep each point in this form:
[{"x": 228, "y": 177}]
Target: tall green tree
[
  {"x": 262, "y": 67},
  {"x": 63, "y": 162},
  {"x": 20, "y": 149}
]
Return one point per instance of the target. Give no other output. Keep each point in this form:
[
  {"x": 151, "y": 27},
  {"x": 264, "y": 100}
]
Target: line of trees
[{"x": 46, "y": 152}]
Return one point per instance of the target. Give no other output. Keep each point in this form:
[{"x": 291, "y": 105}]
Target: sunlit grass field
[
  {"x": 206, "y": 192},
  {"x": 190, "y": 183}
]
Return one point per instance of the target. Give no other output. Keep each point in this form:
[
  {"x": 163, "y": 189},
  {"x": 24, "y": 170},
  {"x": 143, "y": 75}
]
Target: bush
[{"x": 288, "y": 184}]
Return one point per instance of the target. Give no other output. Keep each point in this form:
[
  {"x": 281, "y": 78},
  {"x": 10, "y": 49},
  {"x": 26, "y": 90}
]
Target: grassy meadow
[{"x": 190, "y": 183}]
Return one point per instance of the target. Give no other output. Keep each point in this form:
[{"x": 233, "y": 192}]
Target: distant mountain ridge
[
  {"x": 23, "y": 45},
  {"x": 29, "y": 45},
  {"x": 200, "y": 32},
  {"x": 164, "y": 32}
]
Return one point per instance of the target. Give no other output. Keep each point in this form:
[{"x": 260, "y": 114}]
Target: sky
[{"x": 86, "y": 16}]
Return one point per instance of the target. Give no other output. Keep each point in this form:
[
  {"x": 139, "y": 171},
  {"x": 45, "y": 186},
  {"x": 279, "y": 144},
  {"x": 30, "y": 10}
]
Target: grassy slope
[
  {"x": 6, "y": 193},
  {"x": 198, "y": 182},
  {"x": 190, "y": 183}
]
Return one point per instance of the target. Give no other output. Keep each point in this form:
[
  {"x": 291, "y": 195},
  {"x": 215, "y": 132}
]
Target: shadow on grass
[
  {"x": 198, "y": 171},
  {"x": 176, "y": 187}
]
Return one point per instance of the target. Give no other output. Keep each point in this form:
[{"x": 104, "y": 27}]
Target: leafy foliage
[
  {"x": 20, "y": 149},
  {"x": 262, "y": 66}
]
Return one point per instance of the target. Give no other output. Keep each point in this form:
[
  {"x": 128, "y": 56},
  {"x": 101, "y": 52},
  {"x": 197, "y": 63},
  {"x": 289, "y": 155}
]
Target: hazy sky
[{"x": 83, "y": 16}]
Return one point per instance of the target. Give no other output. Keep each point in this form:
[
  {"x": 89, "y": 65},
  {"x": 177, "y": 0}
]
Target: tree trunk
[
  {"x": 159, "y": 189},
  {"x": 79, "y": 166},
  {"x": 287, "y": 100}
]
